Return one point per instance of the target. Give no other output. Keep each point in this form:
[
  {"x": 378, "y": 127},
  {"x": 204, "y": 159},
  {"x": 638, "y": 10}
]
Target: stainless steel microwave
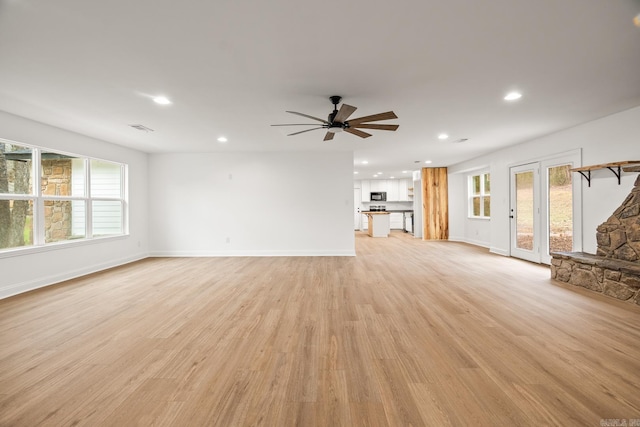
[{"x": 378, "y": 196}]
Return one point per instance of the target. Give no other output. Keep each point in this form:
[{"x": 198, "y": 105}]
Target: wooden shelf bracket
[
  {"x": 617, "y": 174},
  {"x": 587, "y": 177}
]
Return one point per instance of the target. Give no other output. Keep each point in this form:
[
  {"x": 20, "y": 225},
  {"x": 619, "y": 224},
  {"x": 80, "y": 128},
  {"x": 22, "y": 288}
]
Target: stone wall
[{"x": 615, "y": 269}]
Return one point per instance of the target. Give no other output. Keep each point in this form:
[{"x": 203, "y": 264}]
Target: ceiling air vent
[
  {"x": 142, "y": 128},
  {"x": 457, "y": 141}
]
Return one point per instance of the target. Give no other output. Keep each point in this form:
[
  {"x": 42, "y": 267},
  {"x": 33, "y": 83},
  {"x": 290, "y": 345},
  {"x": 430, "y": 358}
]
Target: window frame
[
  {"x": 482, "y": 195},
  {"x": 38, "y": 202}
]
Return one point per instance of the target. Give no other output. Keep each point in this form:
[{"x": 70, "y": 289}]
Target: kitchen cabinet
[
  {"x": 398, "y": 190},
  {"x": 393, "y": 187},
  {"x": 379, "y": 185},
  {"x": 395, "y": 221},
  {"x": 365, "y": 187}
]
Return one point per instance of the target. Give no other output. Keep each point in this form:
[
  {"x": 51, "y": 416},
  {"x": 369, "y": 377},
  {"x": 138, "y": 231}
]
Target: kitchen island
[{"x": 379, "y": 224}]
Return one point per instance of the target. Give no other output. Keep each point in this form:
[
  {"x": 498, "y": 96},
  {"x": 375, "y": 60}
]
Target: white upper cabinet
[
  {"x": 365, "y": 187},
  {"x": 398, "y": 190},
  {"x": 393, "y": 194},
  {"x": 379, "y": 185}
]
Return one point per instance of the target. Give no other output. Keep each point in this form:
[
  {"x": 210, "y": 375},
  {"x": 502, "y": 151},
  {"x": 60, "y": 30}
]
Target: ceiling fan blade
[
  {"x": 298, "y": 124},
  {"x": 328, "y": 136},
  {"x": 303, "y": 131},
  {"x": 358, "y": 132},
  {"x": 381, "y": 116},
  {"x": 375, "y": 126},
  {"x": 344, "y": 113},
  {"x": 309, "y": 117}
]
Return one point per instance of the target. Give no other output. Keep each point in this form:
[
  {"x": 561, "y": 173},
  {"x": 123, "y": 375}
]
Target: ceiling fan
[{"x": 338, "y": 121}]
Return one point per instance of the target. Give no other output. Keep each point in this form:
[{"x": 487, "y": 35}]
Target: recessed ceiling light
[
  {"x": 405, "y": 171},
  {"x": 392, "y": 177},
  {"x": 364, "y": 162},
  {"x": 379, "y": 173},
  {"x": 222, "y": 139},
  {"x": 162, "y": 100},
  {"x": 356, "y": 172},
  {"x": 427, "y": 161},
  {"x": 443, "y": 136},
  {"x": 512, "y": 96}
]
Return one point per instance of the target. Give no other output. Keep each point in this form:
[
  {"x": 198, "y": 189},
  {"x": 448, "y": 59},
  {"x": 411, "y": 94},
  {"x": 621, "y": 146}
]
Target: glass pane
[
  {"x": 62, "y": 175},
  {"x": 64, "y": 220},
  {"x": 487, "y": 206},
  {"x": 476, "y": 206},
  {"x": 16, "y": 223},
  {"x": 487, "y": 184},
  {"x": 16, "y": 171},
  {"x": 475, "y": 184},
  {"x": 107, "y": 218},
  {"x": 524, "y": 210},
  {"x": 106, "y": 179},
  {"x": 560, "y": 209}
]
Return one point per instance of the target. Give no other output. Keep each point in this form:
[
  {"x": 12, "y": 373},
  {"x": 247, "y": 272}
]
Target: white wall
[
  {"x": 609, "y": 139},
  {"x": 22, "y": 272},
  {"x": 264, "y": 203}
]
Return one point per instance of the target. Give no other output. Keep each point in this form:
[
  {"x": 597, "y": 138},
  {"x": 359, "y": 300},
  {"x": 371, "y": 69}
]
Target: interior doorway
[{"x": 357, "y": 202}]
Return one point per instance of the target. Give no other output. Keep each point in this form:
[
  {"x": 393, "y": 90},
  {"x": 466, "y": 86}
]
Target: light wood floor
[{"x": 406, "y": 333}]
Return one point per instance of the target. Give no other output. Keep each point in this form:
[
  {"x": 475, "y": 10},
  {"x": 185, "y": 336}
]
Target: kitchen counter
[
  {"x": 379, "y": 225},
  {"x": 404, "y": 212}
]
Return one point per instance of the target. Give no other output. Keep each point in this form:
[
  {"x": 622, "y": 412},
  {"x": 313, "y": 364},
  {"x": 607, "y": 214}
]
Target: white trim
[
  {"x": 19, "y": 288},
  {"x": 470, "y": 241},
  {"x": 27, "y": 250},
  {"x": 250, "y": 253},
  {"x": 499, "y": 251}
]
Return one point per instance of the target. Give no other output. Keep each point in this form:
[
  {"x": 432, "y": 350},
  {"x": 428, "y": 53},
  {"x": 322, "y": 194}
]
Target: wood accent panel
[
  {"x": 402, "y": 334},
  {"x": 435, "y": 204}
]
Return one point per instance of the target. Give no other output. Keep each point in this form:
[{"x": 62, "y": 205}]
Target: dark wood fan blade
[
  {"x": 298, "y": 124},
  {"x": 382, "y": 116},
  {"x": 375, "y": 126},
  {"x": 328, "y": 136},
  {"x": 358, "y": 132},
  {"x": 308, "y": 116},
  {"x": 303, "y": 131},
  {"x": 344, "y": 113}
]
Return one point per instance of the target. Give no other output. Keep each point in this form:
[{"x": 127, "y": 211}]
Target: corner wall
[
  {"x": 27, "y": 271},
  {"x": 609, "y": 139}
]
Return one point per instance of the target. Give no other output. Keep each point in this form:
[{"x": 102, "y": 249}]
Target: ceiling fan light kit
[{"x": 337, "y": 121}]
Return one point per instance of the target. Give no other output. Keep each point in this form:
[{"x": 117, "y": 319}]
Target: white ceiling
[{"x": 232, "y": 68}]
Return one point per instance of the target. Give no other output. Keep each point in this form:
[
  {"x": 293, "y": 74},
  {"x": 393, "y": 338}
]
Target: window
[
  {"x": 78, "y": 198},
  {"x": 479, "y": 196}
]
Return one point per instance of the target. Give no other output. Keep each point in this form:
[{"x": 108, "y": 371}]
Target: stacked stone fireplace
[{"x": 615, "y": 269}]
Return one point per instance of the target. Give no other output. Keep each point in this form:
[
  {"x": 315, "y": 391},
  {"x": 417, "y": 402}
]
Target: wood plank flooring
[{"x": 405, "y": 333}]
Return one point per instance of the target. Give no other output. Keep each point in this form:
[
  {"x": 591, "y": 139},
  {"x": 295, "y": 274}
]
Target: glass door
[
  {"x": 561, "y": 222},
  {"x": 525, "y": 212},
  {"x": 545, "y": 209}
]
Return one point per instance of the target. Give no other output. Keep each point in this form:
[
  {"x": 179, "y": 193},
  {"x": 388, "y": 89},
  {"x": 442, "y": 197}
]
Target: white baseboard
[
  {"x": 499, "y": 251},
  {"x": 469, "y": 241},
  {"x": 19, "y": 288},
  {"x": 249, "y": 253}
]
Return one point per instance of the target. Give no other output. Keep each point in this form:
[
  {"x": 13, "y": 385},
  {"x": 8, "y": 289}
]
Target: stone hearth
[{"x": 615, "y": 269}]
